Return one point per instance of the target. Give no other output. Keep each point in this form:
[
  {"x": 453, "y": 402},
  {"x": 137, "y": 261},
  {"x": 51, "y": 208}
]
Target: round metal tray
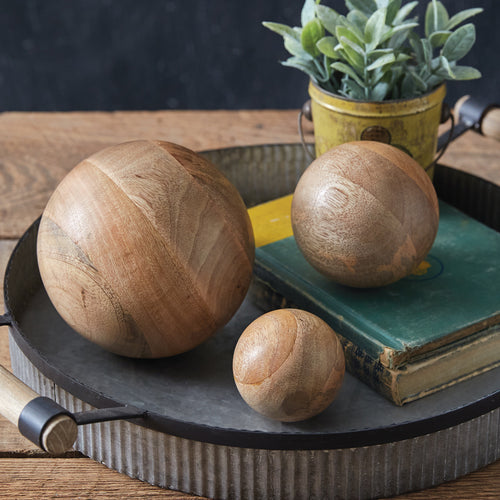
[{"x": 197, "y": 434}]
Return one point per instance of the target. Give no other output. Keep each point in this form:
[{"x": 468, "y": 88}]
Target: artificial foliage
[{"x": 376, "y": 50}]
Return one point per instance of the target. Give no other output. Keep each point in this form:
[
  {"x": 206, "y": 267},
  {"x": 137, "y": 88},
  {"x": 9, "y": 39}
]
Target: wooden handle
[
  {"x": 55, "y": 434},
  {"x": 14, "y": 395},
  {"x": 489, "y": 125}
]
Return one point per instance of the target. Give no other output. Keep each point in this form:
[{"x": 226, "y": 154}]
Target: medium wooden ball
[
  {"x": 365, "y": 214},
  {"x": 146, "y": 249},
  {"x": 288, "y": 365}
]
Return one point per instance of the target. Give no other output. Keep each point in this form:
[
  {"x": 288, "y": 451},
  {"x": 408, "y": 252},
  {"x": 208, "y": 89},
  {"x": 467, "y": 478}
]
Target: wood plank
[
  {"x": 11, "y": 442},
  {"x": 6, "y": 247},
  {"x": 33, "y": 478},
  {"x": 38, "y": 149}
]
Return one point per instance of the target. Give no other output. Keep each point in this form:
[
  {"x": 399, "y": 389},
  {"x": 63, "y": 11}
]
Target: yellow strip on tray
[{"x": 271, "y": 221}]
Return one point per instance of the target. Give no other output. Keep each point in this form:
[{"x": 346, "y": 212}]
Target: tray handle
[
  {"x": 44, "y": 422},
  {"x": 479, "y": 115},
  {"x": 40, "y": 419}
]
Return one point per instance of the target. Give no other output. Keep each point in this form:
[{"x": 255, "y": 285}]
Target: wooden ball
[
  {"x": 365, "y": 214},
  {"x": 288, "y": 365},
  {"x": 146, "y": 249}
]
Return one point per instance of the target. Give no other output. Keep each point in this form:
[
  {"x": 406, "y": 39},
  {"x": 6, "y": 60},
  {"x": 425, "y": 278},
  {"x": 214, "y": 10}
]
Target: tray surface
[{"x": 193, "y": 395}]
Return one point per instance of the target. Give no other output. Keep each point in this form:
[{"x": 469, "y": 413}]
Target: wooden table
[{"x": 38, "y": 149}]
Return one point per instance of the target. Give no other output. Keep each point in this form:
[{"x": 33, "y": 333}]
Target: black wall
[{"x": 189, "y": 54}]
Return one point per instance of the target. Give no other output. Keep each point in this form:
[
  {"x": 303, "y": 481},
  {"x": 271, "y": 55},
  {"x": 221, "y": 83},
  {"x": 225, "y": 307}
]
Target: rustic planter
[{"x": 409, "y": 124}]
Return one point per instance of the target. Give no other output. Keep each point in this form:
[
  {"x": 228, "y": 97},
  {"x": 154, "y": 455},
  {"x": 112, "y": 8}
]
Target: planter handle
[{"x": 305, "y": 112}]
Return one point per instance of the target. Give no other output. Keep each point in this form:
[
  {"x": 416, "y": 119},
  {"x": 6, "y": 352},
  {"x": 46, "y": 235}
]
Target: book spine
[{"x": 358, "y": 362}]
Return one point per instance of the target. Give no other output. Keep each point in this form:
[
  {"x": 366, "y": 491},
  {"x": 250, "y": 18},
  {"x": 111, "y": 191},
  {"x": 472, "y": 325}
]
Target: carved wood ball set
[{"x": 146, "y": 249}]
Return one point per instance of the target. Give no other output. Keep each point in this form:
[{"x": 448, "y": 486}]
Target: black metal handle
[
  {"x": 108, "y": 414},
  {"x": 5, "y": 319}
]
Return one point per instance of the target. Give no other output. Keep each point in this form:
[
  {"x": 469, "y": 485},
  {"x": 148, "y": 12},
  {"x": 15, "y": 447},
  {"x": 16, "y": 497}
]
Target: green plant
[{"x": 374, "y": 53}]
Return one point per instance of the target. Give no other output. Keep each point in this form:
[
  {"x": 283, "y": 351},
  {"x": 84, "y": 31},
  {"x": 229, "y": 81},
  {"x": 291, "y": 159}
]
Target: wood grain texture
[
  {"x": 6, "y": 247},
  {"x": 73, "y": 478},
  {"x": 38, "y": 149},
  {"x": 135, "y": 236},
  {"x": 288, "y": 365},
  {"x": 365, "y": 214},
  {"x": 14, "y": 396},
  {"x": 490, "y": 125},
  {"x": 59, "y": 435}
]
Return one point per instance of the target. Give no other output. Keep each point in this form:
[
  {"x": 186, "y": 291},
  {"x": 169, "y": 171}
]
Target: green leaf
[
  {"x": 434, "y": 81},
  {"x": 398, "y": 40},
  {"x": 408, "y": 88},
  {"x": 329, "y": 18},
  {"x": 344, "y": 31},
  {"x": 379, "y": 92},
  {"x": 344, "y": 68},
  {"x": 392, "y": 10},
  {"x": 404, "y": 12},
  {"x": 396, "y": 29},
  {"x": 382, "y": 4},
  {"x": 366, "y": 6},
  {"x": 382, "y": 61},
  {"x": 308, "y": 12},
  {"x": 282, "y": 29},
  {"x": 355, "y": 54},
  {"x": 436, "y": 17},
  {"x": 357, "y": 18},
  {"x": 427, "y": 49},
  {"x": 375, "y": 27},
  {"x": 466, "y": 73},
  {"x": 379, "y": 52},
  {"x": 295, "y": 48},
  {"x": 352, "y": 90},
  {"x": 461, "y": 17},
  {"x": 353, "y": 32},
  {"x": 418, "y": 49},
  {"x": 445, "y": 68},
  {"x": 312, "y": 32},
  {"x": 419, "y": 82},
  {"x": 459, "y": 43},
  {"x": 327, "y": 47},
  {"x": 307, "y": 67},
  {"x": 438, "y": 38}
]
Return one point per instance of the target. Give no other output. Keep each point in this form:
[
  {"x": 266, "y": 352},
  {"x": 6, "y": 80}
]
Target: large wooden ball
[
  {"x": 146, "y": 249},
  {"x": 365, "y": 214},
  {"x": 288, "y": 365}
]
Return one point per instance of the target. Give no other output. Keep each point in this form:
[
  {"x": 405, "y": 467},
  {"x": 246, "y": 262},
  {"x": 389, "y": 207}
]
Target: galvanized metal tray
[{"x": 196, "y": 434}]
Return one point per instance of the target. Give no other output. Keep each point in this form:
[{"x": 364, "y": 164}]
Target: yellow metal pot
[{"x": 409, "y": 124}]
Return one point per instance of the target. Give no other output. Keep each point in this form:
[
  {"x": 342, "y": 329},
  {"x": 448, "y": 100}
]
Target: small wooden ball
[
  {"x": 146, "y": 249},
  {"x": 288, "y": 365},
  {"x": 365, "y": 214}
]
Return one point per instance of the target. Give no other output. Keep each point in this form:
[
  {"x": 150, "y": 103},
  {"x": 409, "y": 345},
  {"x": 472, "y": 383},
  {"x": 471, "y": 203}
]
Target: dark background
[{"x": 170, "y": 54}]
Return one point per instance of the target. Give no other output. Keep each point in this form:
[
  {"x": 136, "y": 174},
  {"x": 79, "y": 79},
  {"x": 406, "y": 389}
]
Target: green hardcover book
[{"x": 419, "y": 335}]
